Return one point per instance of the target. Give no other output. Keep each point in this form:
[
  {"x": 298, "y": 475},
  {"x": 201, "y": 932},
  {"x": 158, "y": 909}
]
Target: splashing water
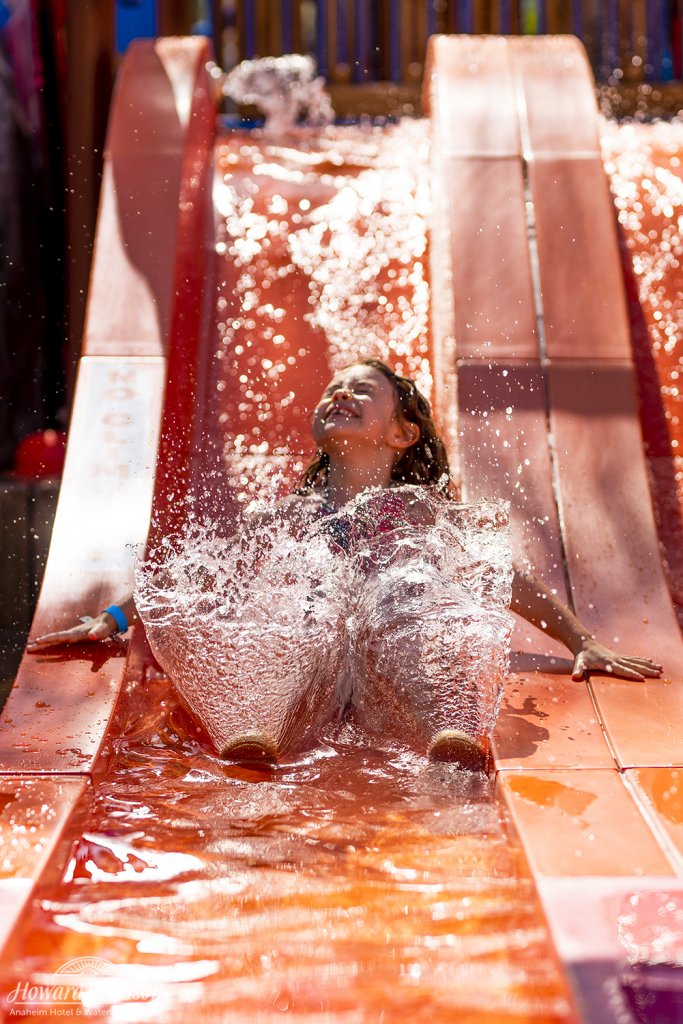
[
  {"x": 643, "y": 162},
  {"x": 321, "y": 251},
  {"x": 282, "y": 87},
  {"x": 396, "y": 606},
  {"x": 644, "y": 165},
  {"x": 374, "y": 224}
]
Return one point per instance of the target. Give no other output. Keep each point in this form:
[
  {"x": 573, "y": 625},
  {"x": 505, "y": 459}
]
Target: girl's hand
[
  {"x": 100, "y": 628},
  {"x": 594, "y": 656}
]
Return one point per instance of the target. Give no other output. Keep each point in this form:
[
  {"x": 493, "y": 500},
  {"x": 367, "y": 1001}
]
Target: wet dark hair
[{"x": 425, "y": 462}]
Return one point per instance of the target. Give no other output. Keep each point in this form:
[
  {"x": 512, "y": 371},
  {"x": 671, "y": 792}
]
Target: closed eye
[{"x": 357, "y": 389}]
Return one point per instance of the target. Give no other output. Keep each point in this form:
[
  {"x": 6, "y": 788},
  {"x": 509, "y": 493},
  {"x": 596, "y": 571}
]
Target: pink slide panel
[
  {"x": 557, "y": 96},
  {"x": 547, "y": 721},
  {"x": 162, "y": 102},
  {"x": 572, "y": 823},
  {"x": 462, "y": 73},
  {"x": 599, "y": 923},
  {"x": 492, "y": 287},
  {"x": 615, "y": 568},
  {"x": 583, "y": 296}
]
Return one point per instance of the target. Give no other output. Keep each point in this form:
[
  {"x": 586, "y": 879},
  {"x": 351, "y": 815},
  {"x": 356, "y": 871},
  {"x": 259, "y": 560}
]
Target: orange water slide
[
  {"x": 530, "y": 346},
  {"x": 539, "y": 333}
]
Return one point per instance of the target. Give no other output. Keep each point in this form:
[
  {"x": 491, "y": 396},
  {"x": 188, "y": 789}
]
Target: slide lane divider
[
  {"x": 598, "y": 924},
  {"x": 613, "y": 553},
  {"x": 547, "y": 719},
  {"x": 660, "y": 793},
  {"x": 492, "y": 341},
  {"x": 584, "y": 305},
  {"x": 162, "y": 118},
  {"x": 613, "y": 560},
  {"x": 594, "y": 434},
  {"x": 163, "y": 107},
  {"x": 462, "y": 73},
  {"x": 573, "y": 821},
  {"x": 653, "y": 800}
]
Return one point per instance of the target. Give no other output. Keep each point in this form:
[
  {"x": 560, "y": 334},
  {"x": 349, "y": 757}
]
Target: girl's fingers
[
  {"x": 88, "y": 631},
  {"x": 49, "y": 639},
  {"x": 648, "y": 667},
  {"x": 643, "y": 663},
  {"x": 625, "y": 668},
  {"x": 625, "y": 671},
  {"x": 615, "y": 667},
  {"x": 63, "y": 634}
]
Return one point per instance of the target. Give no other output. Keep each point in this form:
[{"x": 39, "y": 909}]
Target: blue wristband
[{"x": 119, "y": 618}]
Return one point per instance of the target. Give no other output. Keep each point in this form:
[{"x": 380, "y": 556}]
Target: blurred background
[{"x": 58, "y": 62}]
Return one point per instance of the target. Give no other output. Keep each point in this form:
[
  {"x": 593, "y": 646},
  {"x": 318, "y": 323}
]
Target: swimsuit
[{"x": 358, "y": 522}]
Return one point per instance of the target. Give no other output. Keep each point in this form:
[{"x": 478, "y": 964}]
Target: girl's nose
[{"x": 341, "y": 390}]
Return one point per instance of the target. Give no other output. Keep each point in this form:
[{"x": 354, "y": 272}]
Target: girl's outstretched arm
[
  {"x": 534, "y": 602},
  {"x": 103, "y": 626}
]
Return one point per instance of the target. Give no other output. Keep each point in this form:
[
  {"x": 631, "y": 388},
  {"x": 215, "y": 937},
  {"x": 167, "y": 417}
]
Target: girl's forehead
[{"x": 358, "y": 374}]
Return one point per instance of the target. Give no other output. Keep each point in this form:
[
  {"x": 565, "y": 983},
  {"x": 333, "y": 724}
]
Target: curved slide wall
[{"x": 144, "y": 298}]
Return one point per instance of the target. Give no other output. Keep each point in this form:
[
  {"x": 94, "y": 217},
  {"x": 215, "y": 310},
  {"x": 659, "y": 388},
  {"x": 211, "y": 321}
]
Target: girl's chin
[
  {"x": 340, "y": 445},
  {"x": 338, "y": 429}
]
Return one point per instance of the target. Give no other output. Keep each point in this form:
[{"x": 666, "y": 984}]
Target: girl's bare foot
[
  {"x": 257, "y": 746},
  {"x": 459, "y": 748}
]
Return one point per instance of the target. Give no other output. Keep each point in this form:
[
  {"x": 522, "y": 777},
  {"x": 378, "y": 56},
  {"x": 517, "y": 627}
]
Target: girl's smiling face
[{"x": 359, "y": 408}]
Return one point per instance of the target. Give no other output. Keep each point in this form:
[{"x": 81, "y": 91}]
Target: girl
[{"x": 364, "y": 544}]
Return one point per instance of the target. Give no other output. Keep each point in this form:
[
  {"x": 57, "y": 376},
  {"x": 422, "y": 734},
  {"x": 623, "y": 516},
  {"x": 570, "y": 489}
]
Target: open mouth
[{"x": 343, "y": 413}]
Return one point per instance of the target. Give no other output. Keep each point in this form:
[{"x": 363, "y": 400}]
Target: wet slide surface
[{"x": 351, "y": 883}]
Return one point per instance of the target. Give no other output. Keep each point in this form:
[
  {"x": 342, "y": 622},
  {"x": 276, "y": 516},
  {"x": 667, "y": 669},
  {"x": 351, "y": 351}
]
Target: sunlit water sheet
[
  {"x": 351, "y": 884},
  {"x": 644, "y": 162}
]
